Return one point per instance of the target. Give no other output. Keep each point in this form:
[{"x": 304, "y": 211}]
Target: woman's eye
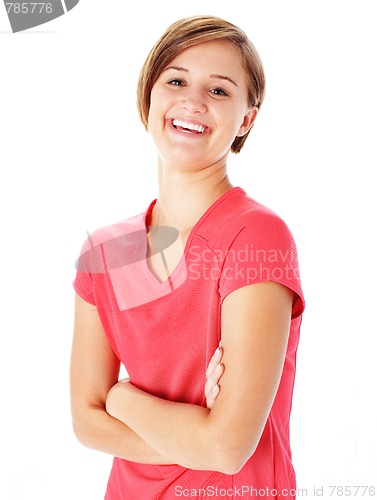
[
  {"x": 218, "y": 91},
  {"x": 176, "y": 81}
]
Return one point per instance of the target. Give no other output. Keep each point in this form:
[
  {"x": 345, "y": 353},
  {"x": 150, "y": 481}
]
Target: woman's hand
[
  {"x": 114, "y": 394},
  {"x": 213, "y": 374}
]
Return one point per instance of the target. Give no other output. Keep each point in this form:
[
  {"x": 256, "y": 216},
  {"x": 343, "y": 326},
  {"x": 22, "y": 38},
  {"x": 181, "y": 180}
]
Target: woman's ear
[{"x": 248, "y": 121}]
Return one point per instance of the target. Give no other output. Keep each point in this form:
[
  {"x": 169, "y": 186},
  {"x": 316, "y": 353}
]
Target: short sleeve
[
  {"x": 260, "y": 248},
  {"x": 83, "y": 282}
]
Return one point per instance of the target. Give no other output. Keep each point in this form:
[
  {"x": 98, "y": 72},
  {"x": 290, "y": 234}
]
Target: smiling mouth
[{"x": 188, "y": 127}]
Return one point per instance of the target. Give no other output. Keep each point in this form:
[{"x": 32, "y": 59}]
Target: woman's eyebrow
[
  {"x": 221, "y": 77},
  {"x": 177, "y": 68}
]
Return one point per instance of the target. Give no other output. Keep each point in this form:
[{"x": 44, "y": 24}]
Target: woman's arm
[
  {"x": 94, "y": 370},
  {"x": 255, "y": 330}
]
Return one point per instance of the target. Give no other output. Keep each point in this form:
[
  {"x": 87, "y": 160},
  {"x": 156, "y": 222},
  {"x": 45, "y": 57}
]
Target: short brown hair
[{"x": 191, "y": 31}]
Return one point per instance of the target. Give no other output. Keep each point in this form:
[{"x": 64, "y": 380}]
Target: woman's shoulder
[
  {"x": 131, "y": 227},
  {"x": 242, "y": 214},
  {"x": 123, "y": 238}
]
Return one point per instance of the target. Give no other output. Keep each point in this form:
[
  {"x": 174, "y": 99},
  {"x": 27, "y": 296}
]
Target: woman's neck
[{"x": 185, "y": 196}]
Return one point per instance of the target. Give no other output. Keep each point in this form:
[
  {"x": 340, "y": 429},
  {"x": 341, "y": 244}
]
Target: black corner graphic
[
  {"x": 26, "y": 15},
  {"x": 70, "y": 4}
]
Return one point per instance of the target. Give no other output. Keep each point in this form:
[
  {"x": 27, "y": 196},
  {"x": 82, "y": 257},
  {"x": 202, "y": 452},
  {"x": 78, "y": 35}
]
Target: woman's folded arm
[
  {"x": 255, "y": 330},
  {"x": 94, "y": 370}
]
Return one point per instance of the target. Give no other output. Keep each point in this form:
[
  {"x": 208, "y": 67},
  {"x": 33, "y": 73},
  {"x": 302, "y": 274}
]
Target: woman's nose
[{"x": 194, "y": 102}]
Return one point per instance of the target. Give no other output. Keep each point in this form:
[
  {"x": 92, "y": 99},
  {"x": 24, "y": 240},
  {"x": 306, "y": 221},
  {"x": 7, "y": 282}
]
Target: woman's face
[{"x": 199, "y": 104}]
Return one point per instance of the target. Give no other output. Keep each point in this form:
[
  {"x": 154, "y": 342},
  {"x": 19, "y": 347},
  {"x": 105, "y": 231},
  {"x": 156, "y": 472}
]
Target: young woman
[{"x": 204, "y": 264}]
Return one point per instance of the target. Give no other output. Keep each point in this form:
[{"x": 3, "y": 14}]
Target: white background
[{"x": 75, "y": 157}]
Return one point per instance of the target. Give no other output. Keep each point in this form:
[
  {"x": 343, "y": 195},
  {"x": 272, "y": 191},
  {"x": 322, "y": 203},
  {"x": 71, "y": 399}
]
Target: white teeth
[{"x": 188, "y": 126}]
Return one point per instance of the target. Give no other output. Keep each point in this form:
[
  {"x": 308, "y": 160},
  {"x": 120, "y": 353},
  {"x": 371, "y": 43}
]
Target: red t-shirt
[{"x": 166, "y": 332}]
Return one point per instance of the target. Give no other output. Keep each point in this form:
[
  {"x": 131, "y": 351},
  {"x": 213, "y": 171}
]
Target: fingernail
[
  {"x": 215, "y": 388},
  {"x": 219, "y": 368}
]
